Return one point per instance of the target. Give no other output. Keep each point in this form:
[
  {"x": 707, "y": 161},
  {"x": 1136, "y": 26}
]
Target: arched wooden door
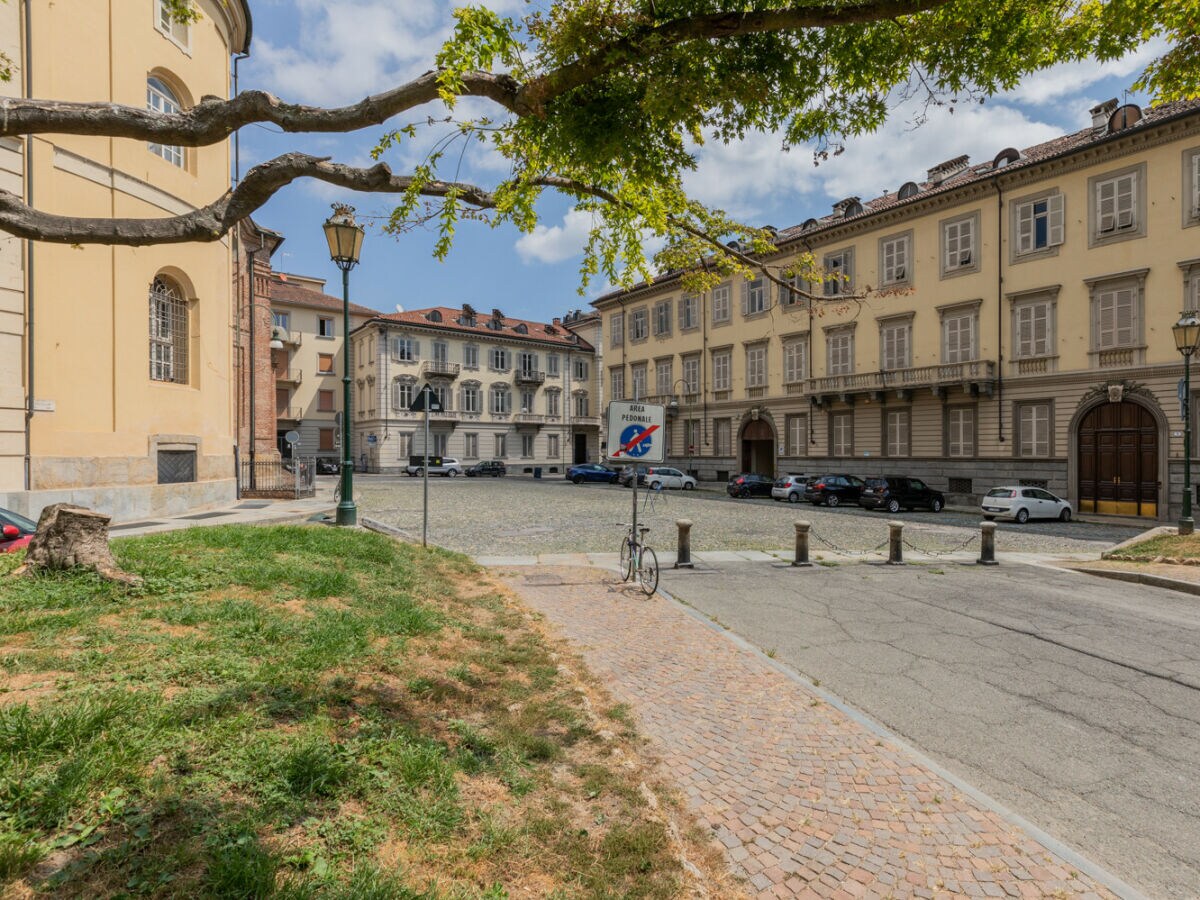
[
  {"x": 758, "y": 447},
  {"x": 1118, "y": 460}
]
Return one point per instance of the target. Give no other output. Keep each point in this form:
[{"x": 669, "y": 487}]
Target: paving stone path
[{"x": 806, "y": 801}]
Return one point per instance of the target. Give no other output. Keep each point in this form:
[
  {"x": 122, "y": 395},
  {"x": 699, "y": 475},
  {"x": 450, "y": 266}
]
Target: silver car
[
  {"x": 1021, "y": 504},
  {"x": 790, "y": 488}
]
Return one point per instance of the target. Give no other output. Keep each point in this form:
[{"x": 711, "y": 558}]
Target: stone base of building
[{"x": 128, "y": 502}]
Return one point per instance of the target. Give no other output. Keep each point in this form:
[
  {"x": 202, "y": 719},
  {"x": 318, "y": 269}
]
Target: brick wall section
[{"x": 263, "y": 374}]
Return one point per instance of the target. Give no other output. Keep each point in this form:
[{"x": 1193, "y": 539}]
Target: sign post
[
  {"x": 427, "y": 401},
  {"x": 636, "y": 433}
]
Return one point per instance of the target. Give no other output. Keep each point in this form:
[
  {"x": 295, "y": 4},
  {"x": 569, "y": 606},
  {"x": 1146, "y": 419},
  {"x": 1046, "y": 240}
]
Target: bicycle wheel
[
  {"x": 648, "y": 571},
  {"x": 626, "y": 560}
]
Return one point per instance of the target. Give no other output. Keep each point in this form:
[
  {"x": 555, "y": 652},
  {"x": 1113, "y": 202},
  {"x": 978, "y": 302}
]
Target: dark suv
[
  {"x": 893, "y": 492},
  {"x": 492, "y": 467},
  {"x": 749, "y": 484},
  {"x": 833, "y": 489}
]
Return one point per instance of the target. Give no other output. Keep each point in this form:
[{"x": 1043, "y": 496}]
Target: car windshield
[
  {"x": 1001, "y": 492},
  {"x": 11, "y": 518}
]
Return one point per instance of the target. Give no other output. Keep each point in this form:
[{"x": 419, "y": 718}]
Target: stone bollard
[
  {"x": 895, "y": 544},
  {"x": 683, "y": 559},
  {"x": 987, "y": 544},
  {"x": 801, "y": 560}
]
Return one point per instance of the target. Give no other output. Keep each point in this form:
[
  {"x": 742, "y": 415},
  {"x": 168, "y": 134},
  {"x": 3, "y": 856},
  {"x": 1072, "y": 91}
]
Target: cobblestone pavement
[
  {"x": 807, "y": 801},
  {"x": 516, "y": 516}
]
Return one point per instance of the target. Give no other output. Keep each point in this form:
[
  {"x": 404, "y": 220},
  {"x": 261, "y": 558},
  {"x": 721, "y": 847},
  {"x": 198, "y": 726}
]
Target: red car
[{"x": 15, "y": 531}]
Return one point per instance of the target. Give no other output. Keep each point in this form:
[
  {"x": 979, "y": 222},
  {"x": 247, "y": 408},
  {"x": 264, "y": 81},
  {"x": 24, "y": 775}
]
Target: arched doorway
[
  {"x": 758, "y": 447},
  {"x": 1118, "y": 447}
]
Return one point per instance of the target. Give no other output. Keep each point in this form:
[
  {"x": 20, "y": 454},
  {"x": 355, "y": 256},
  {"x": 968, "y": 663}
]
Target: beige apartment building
[
  {"x": 510, "y": 389},
  {"x": 116, "y": 386},
  {"x": 1016, "y": 327},
  {"x": 307, "y": 372}
]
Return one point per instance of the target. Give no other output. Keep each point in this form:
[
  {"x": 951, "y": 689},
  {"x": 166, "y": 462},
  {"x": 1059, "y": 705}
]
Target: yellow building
[
  {"x": 510, "y": 389},
  {"x": 1016, "y": 328},
  {"x": 116, "y": 362}
]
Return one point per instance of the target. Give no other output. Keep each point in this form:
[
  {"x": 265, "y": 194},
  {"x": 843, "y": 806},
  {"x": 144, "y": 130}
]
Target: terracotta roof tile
[
  {"x": 286, "y": 292},
  {"x": 536, "y": 331}
]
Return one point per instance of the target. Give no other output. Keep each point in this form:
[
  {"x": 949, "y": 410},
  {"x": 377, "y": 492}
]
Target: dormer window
[
  {"x": 522, "y": 329},
  {"x": 433, "y": 316}
]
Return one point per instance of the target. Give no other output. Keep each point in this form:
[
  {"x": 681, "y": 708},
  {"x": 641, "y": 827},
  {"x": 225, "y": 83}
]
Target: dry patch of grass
[
  {"x": 307, "y": 712},
  {"x": 1171, "y": 549}
]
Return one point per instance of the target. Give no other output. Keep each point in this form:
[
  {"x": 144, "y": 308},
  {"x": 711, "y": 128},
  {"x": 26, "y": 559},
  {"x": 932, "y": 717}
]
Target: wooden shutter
[
  {"x": 1123, "y": 312},
  {"x": 1106, "y": 206},
  {"x": 1055, "y": 216},
  {"x": 1025, "y": 227},
  {"x": 745, "y": 295},
  {"x": 1040, "y": 329},
  {"x": 1126, "y": 200}
]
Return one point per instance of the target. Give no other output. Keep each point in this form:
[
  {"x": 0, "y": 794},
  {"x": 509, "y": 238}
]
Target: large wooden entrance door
[
  {"x": 758, "y": 448},
  {"x": 1118, "y": 460}
]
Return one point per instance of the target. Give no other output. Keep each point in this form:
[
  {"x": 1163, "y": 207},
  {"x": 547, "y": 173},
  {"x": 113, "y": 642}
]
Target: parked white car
[
  {"x": 661, "y": 477},
  {"x": 790, "y": 488},
  {"x": 449, "y": 467},
  {"x": 1024, "y": 503}
]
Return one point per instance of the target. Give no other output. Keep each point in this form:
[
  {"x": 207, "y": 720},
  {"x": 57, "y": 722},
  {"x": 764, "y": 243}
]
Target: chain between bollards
[
  {"x": 802, "y": 529},
  {"x": 895, "y": 544},
  {"x": 683, "y": 558},
  {"x": 987, "y": 544}
]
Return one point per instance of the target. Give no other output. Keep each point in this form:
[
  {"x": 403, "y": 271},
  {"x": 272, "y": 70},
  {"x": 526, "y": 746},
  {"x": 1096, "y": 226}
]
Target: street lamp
[
  {"x": 1187, "y": 335},
  {"x": 345, "y": 239},
  {"x": 673, "y": 408}
]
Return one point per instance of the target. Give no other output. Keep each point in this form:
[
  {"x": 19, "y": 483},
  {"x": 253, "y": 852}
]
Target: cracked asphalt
[{"x": 1074, "y": 701}]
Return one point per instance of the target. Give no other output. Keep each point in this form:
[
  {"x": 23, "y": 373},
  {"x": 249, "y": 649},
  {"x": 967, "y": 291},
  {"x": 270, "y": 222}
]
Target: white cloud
[
  {"x": 738, "y": 176},
  {"x": 556, "y": 243},
  {"x": 1065, "y": 79}
]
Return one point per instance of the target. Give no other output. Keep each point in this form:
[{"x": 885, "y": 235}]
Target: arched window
[
  {"x": 168, "y": 333},
  {"x": 161, "y": 99}
]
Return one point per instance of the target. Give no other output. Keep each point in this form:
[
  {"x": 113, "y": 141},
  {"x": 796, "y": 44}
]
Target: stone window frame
[
  {"x": 642, "y": 315},
  {"x": 1135, "y": 280},
  {"x": 615, "y": 373},
  {"x": 833, "y": 419},
  {"x": 689, "y": 321},
  {"x": 944, "y": 225},
  {"x": 947, "y": 445},
  {"x": 726, "y": 353},
  {"x": 839, "y": 287},
  {"x": 795, "y": 445},
  {"x": 616, "y": 329},
  {"x": 1024, "y": 299},
  {"x": 754, "y": 346},
  {"x": 332, "y": 364},
  {"x": 759, "y": 287},
  {"x": 661, "y": 321},
  {"x": 1191, "y": 187},
  {"x": 1018, "y": 437},
  {"x": 962, "y": 309},
  {"x": 471, "y": 445},
  {"x": 802, "y": 341},
  {"x": 477, "y": 388},
  {"x": 412, "y": 345},
  {"x": 500, "y": 389},
  {"x": 1056, "y": 206},
  {"x": 169, "y": 28},
  {"x": 845, "y": 329},
  {"x": 642, "y": 367},
  {"x": 500, "y": 445},
  {"x": 1139, "y": 227},
  {"x": 332, "y": 322},
  {"x": 690, "y": 386},
  {"x": 554, "y": 402},
  {"x": 885, "y": 414},
  {"x": 907, "y": 238},
  {"x": 499, "y": 359},
  {"x": 723, "y": 436},
  {"x": 398, "y": 383},
  {"x": 322, "y": 394},
  {"x": 661, "y": 364},
  {"x": 889, "y": 322},
  {"x": 723, "y": 302},
  {"x": 1190, "y": 270}
]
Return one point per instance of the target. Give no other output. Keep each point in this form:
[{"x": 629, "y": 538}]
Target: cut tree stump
[{"x": 70, "y": 536}]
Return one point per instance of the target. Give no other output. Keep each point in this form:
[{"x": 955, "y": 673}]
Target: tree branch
[
  {"x": 213, "y": 119},
  {"x": 210, "y": 223}
]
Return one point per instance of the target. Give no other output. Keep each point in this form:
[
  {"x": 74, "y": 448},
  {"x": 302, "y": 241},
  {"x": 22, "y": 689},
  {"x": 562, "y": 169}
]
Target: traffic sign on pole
[{"x": 637, "y": 432}]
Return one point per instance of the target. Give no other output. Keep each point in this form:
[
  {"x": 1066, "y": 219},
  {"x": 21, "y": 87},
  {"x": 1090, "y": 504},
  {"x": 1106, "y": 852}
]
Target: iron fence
[{"x": 292, "y": 477}]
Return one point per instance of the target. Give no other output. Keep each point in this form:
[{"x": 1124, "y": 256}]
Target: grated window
[
  {"x": 168, "y": 333},
  {"x": 960, "y": 486}
]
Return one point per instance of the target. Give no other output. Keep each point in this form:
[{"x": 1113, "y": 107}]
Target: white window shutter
[
  {"x": 1040, "y": 329},
  {"x": 1196, "y": 184},
  {"x": 745, "y": 295},
  {"x": 1055, "y": 220},
  {"x": 1106, "y": 206},
  {"x": 1025, "y": 228},
  {"x": 416, "y": 349},
  {"x": 1106, "y": 325},
  {"x": 1124, "y": 302}
]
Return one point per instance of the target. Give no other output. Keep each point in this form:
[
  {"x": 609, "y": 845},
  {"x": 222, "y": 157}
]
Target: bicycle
[{"x": 637, "y": 557}]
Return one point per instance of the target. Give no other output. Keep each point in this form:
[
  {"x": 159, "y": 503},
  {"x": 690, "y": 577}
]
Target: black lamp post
[
  {"x": 345, "y": 238},
  {"x": 1187, "y": 335}
]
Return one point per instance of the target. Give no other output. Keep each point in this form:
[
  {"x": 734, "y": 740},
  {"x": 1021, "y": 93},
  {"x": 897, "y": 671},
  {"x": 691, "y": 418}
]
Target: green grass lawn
[
  {"x": 306, "y": 712},
  {"x": 1171, "y": 546}
]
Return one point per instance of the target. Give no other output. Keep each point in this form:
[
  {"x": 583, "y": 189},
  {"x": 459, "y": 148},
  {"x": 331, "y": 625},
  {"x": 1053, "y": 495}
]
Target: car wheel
[
  {"x": 1065, "y": 515},
  {"x": 688, "y": 486},
  {"x": 793, "y": 497},
  {"x": 743, "y": 494},
  {"x": 935, "y": 505},
  {"x": 893, "y": 506},
  {"x": 452, "y": 473},
  {"x": 1022, "y": 515},
  {"x": 832, "y": 500},
  {"x": 418, "y": 473},
  {"x": 578, "y": 479}
]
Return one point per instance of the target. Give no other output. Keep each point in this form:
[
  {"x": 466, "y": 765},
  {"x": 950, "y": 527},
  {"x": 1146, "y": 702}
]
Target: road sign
[
  {"x": 426, "y": 400},
  {"x": 637, "y": 432}
]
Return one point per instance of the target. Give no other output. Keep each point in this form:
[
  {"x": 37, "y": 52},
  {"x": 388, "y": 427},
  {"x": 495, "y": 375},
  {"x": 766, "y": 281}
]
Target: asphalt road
[{"x": 1072, "y": 700}]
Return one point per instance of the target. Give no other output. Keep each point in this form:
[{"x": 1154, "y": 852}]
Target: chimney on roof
[
  {"x": 468, "y": 310},
  {"x": 950, "y": 167},
  {"x": 497, "y": 315},
  {"x": 1101, "y": 113},
  {"x": 556, "y": 321}
]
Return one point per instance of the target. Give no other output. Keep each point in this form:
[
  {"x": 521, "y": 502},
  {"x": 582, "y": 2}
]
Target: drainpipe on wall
[
  {"x": 237, "y": 135},
  {"x": 29, "y": 244},
  {"x": 999, "y": 309}
]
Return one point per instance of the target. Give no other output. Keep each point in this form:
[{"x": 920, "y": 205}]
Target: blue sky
[{"x": 314, "y": 51}]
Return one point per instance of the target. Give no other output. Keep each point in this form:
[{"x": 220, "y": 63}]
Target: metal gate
[{"x": 279, "y": 478}]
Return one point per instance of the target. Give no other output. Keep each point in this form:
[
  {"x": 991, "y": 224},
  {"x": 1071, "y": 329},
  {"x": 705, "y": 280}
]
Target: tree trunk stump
[{"x": 70, "y": 536}]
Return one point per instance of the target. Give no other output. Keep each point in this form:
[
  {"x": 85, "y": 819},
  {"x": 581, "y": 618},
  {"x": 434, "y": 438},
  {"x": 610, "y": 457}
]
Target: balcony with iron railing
[
  {"x": 439, "y": 368},
  {"x": 980, "y": 374},
  {"x": 289, "y": 375},
  {"x": 526, "y": 418},
  {"x": 529, "y": 376}
]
